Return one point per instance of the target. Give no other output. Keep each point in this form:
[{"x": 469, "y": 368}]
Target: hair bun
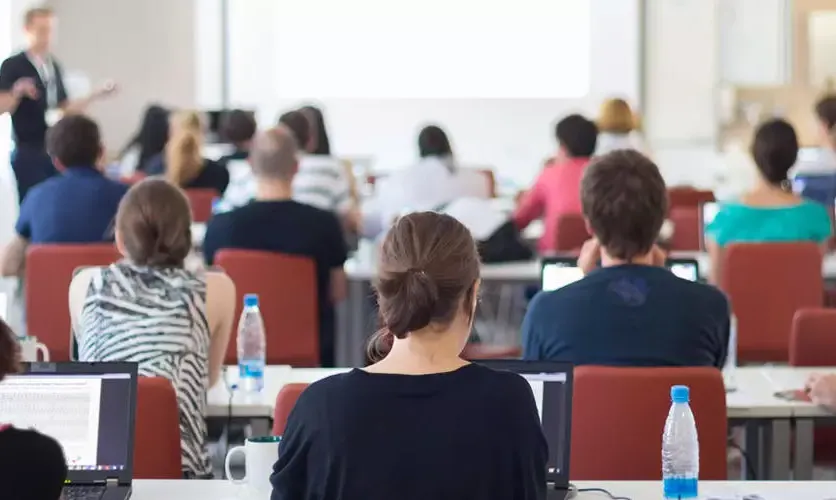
[{"x": 420, "y": 292}]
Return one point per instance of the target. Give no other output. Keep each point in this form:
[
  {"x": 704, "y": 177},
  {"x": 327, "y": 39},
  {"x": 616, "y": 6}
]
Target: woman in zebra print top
[{"x": 150, "y": 310}]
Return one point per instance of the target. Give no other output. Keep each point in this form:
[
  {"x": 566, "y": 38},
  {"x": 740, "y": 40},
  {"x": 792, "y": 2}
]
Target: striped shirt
[{"x": 155, "y": 317}]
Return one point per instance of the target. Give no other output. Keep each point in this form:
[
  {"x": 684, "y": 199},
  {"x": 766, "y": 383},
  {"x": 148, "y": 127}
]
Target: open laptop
[
  {"x": 557, "y": 272},
  {"x": 89, "y": 408},
  {"x": 551, "y": 384}
]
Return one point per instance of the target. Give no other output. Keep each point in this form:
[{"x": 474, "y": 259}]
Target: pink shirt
[{"x": 556, "y": 192}]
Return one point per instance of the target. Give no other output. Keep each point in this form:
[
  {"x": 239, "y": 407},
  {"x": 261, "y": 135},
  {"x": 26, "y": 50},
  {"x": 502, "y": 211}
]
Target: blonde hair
[
  {"x": 615, "y": 116},
  {"x": 183, "y": 152}
]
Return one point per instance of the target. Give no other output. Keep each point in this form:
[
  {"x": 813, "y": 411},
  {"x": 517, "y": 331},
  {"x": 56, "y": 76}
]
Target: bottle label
[
  {"x": 679, "y": 488},
  {"x": 251, "y": 369}
]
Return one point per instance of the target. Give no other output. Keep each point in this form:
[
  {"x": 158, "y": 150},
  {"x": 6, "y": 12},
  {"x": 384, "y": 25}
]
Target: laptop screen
[
  {"x": 89, "y": 414},
  {"x": 557, "y": 273},
  {"x": 551, "y": 384}
]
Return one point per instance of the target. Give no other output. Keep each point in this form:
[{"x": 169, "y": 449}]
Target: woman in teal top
[{"x": 770, "y": 212}]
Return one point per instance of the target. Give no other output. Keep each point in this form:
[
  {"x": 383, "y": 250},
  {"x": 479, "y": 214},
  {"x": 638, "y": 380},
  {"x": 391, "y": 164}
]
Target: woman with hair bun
[{"x": 420, "y": 422}]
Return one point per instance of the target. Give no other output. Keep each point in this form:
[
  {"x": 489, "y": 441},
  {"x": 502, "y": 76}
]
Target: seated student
[
  {"x": 274, "y": 222},
  {"x": 770, "y": 212},
  {"x": 556, "y": 191},
  {"x": 237, "y": 127},
  {"x": 632, "y": 311},
  {"x": 32, "y": 465},
  {"x": 77, "y": 206},
  {"x": 618, "y": 128},
  {"x": 150, "y": 310},
  {"x": 148, "y": 142},
  {"x": 419, "y": 423},
  {"x": 183, "y": 163},
  {"x": 815, "y": 178}
]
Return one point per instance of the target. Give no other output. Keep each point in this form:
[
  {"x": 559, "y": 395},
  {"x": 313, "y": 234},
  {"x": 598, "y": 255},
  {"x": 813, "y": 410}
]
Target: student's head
[
  {"x": 153, "y": 224},
  {"x": 432, "y": 141},
  {"x": 616, "y": 117},
  {"x": 775, "y": 150},
  {"x": 300, "y": 127},
  {"x": 624, "y": 201},
  {"x": 238, "y": 127},
  {"x": 576, "y": 136},
  {"x": 427, "y": 283},
  {"x": 75, "y": 142},
  {"x": 9, "y": 351},
  {"x": 273, "y": 156},
  {"x": 319, "y": 143},
  {"x": 184, "y": 150},
  {"x": 826, "y": 113},
  {"x": 152, "y": 135},
  {"x": 39, "y": 24}
]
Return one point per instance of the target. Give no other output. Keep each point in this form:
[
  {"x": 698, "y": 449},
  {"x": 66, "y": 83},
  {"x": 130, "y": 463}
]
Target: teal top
[{"x": 738, "y": 223}]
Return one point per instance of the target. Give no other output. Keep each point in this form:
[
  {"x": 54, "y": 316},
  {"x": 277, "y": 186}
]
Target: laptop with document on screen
[
  {"x": 551, "y": 384},
  {"x": 557, "y": 272},
  {"x": 89, "y": 408}
]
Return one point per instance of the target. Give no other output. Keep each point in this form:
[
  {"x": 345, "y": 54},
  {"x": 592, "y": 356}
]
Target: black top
[
  {"x": 473, "y": 433},
  {"x": 29, "y": 119},
  {"x": 32, "y": 466},
  {"x": 630, "y": 315},
  {"x": 291, "y": 228},
  {"x": 237, "y": 155},
  {"x": 212, "y": 176}
]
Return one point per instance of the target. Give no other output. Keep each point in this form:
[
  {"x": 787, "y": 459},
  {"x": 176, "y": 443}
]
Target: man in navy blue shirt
[
  {"x": 630, "y": 311},
  {"x": 77, "y": 206}
]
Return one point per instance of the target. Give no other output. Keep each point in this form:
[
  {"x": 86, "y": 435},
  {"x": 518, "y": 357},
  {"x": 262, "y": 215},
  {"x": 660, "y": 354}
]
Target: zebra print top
[{"x": 155, "y": 317}]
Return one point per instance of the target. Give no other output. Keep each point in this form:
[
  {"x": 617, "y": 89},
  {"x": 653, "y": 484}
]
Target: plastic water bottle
[
  {"x": 251, "y": 346},
  {"x": 680, "y": 448}
]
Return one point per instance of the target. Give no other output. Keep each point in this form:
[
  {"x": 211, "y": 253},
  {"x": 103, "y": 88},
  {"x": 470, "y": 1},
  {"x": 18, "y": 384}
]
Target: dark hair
[
  {"x": 577, "y": 135},
  {"x": 826, "y": 112},
  {"x": 775, "y": 150},
  {"x": 35, "y": 13},
  {"x": 318, "y": 132},
  {"x": 9, "y": 351},
  {"x": 432, "y": 141},
  {"x": 154, "y": 221},
  {"x": 298, "y": 124},
  {"x": 237, "y": 126},
  {"x": 75, "y": 141},
  {"x": 428, "y": 264},
  {"x": 152, "y": 135},
  {"x": 623, "y": 196}
]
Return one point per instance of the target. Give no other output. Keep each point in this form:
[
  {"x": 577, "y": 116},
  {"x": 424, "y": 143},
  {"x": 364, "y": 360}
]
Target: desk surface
[{"x": 636, "y": 490}]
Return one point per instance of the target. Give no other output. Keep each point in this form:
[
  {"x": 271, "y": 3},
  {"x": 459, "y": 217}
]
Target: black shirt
[
  {"x": 32, "y": 466},
  {"x": 211, "y": 176},
  {"x": 629, "y": 315},
  {"x": 291, "y": 228},
  {"x": 473, "y": 433},
  {"x": 29, "y": 119}
]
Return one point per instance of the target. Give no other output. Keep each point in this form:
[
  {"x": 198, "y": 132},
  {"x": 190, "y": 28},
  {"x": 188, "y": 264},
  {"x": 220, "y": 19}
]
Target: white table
[{"x": 636, "y": 490}]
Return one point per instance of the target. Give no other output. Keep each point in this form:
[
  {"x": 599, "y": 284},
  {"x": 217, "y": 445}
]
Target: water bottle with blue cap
[
  {"x": 251, "y": 346},
  {"x": 680, "y": 448}
]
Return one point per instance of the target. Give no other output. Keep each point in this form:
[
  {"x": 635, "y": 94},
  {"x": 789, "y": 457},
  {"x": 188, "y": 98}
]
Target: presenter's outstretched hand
[
  {"x": 108, "y": 88},
  {"x": 25, "y": 87}
]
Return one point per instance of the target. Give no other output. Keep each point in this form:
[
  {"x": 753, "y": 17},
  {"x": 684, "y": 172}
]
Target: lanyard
[{"x": 49, "y": 78}]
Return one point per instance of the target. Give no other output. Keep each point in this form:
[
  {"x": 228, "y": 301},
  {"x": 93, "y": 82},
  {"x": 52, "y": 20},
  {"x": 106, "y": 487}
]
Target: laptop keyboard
[{"x": 83, "y": 493}]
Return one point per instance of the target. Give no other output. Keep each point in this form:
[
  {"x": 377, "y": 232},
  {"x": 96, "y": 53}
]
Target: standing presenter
[{"x": 32, "y": 91}]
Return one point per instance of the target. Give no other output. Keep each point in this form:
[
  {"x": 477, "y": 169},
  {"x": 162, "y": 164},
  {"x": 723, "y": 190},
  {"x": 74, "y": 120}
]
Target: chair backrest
[
  {"x": 484, "y": 351},
  {"x": 618, "y": 417},
  {"x": 687, "y": 196},
  {"x": 285, "y": 402},
  {"x": 201, "y": 200},
  {"x": 766, "y": 284},
  {"x": 813, "y": 338},
  {"x": 49, "y": 271},
  {"x": 686, "y": 228},
  {"x": 157, "y": 438},
  {"x": 286, "y": 287},
  {"x": 571, "y": 233}
]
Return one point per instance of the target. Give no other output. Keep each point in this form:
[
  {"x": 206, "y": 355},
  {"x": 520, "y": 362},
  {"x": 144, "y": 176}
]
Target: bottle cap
[
  {"x": 680, "y": 394},
  {"x": 250, "y": 300}
]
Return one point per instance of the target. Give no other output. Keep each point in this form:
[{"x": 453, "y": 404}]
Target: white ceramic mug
[
  {"x": 29, "y": 349},
  {"x": 260, "y": 453}
]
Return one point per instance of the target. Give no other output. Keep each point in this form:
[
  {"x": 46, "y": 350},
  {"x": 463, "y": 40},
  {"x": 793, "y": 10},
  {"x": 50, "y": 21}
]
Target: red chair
[
  {"x": 49, "y": 271},
  {"x": 286, "y": 287},
  {"x": 157, "y": 437},
  {"x": 686, "y": 228},
  {"x": 687, "y": 196},
  {"x": 482, "y": 351},
  {"x": 571, "y": 233},
  {"x": 618, "y": 416},
  {"x": 201, "y": 200},
  {"x": 766, "y": 284},
  {"x": 285, "y": 402}
]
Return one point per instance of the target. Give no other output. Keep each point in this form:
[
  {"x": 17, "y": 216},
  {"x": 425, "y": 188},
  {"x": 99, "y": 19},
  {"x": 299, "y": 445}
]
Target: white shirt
[{"x": 608, "y": 142}]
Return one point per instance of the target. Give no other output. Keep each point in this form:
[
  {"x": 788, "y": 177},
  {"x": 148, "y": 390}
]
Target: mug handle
[
  {"x": 229, "y": 455},
  {"x": 43, "y": 350}
]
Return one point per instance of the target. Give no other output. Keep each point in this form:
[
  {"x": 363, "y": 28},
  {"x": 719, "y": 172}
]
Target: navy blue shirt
[
  {"x": 77, "y": 206},
  {"x": 291, "y": 228},
  {"x": 629, "y": 315}
]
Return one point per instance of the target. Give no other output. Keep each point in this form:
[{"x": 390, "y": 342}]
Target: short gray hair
[{"x": 274, "y": 154}]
